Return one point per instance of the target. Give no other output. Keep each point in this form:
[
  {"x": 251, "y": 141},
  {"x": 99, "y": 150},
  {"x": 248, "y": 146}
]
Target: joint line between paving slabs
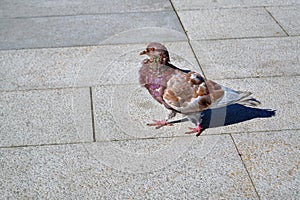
[
  {"x": 92, "y": 114},
  {"x": 189, "y": 41},
  {"x": 240, "y": 155},
  {"x": 277, "y": 22}
]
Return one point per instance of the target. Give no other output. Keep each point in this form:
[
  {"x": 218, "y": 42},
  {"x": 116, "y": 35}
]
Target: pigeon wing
[{"x": 190, "y": 92}]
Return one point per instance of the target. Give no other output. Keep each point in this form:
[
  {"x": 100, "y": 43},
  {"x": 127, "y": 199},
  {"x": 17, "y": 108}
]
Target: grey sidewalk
[{"x": 72, "y": 114}]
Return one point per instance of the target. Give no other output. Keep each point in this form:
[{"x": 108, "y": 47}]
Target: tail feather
[
  {"x": 231, "y": 97},
  {"x": 249, "y": 102}
]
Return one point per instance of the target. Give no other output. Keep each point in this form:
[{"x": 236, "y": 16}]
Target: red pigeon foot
[
  {"x": 197, "y": 130},
  {"x": 159, "y": 123}
]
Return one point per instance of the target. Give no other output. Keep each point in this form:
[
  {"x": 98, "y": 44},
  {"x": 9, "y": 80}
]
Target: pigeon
[{"x": 182, "y": 91}]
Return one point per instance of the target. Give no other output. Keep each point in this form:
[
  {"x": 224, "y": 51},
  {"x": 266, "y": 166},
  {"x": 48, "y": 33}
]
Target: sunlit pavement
[{"x": 73, "y": 115}]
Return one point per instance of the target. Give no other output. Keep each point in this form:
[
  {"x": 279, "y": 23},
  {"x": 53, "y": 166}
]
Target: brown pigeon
[{"x": 182, "y": 91}]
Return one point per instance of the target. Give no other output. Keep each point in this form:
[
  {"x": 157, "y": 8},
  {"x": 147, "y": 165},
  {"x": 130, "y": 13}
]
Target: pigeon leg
[
  {"x": 172, "y": 114},
  {"x": 198, "y": 130},
  {"x": 161, "y": 123}
]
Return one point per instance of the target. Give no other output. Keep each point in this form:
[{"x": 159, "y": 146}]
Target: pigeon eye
[{"x": 150, "y": 49}]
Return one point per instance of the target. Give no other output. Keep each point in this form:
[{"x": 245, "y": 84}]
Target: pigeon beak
[{"x": 143, "y": 52}]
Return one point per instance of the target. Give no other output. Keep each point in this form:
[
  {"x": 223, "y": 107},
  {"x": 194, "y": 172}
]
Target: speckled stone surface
[
  {"x": 33, "y": 8},
  {"x": 269, "y": 91},
  {"x": 41, "y": 68},
  {"x": 229, "y": 23},
  {"x": 287, "y": 18},
  {"x": 272, "y": 159},
  {"x": 73, "y": 115},
  {"x": 122, "y": 112},
  {"x": 45, "y": 117},
  {"x": 241, "y": 58},
  {"x": 209, "y": 4},
  {"x": 81, "y": 66},
  {"x": 78, "y": 30},
  {"x": 93, "y": 171},
  {"x": 204, "y": 4}
]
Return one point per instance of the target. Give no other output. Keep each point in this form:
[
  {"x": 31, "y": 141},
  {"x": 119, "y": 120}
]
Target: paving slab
[
  {"x": 229, "y": 23},
  {"x": 287, "y": 18},
  {"x": 122, "y": 112},
  {"x": 209, "y": 4},
  {"x": 60, "y": 31},
  {"x": 53, "y": 96},
  {"x": 45, "y": 117},
  {"x": 275, "y": 93},
  {"x": 272, "y": 2},
  {"x": 205, "y": 4},
  {"x": 35, "y": 8},
  {"x": 72, "y": 171},
  {"x": 112, "y": 65},
  {"x": 81, "y": 66},
  {"x": 239, "y": 58},
  {"x": 40, "y": 68},
  {"x": 272, "y": 160}
]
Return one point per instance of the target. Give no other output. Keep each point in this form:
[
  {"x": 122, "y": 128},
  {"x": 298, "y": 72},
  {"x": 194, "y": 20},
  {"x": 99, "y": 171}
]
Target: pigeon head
[{"x": 157, "y": 52}]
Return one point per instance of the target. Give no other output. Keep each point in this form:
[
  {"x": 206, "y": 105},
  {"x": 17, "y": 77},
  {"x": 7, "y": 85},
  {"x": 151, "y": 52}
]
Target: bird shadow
[{"x": 233, "y": 114}]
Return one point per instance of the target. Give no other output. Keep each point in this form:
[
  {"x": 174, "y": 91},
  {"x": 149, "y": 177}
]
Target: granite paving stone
[
  {"x": 205, "y": 4},
  {"x": 241, "y": 58},
  {"x": 288, "y": 18},
  {"x": 210, "y": 4},
  {"x": 272, "y": 159},
  {"x": 81, "y": 66},
  {"x": 78, "y": 30},
  {"x": 35, "y": 8},
  {"x": 41, "y": 68},
  {"x": 122, "y": 112},
  {"x": 79, "y": 171},
  {"x": 274, "y": 93},
  {"x": 73, "y": 115},
  {"x": 271, "y": 2},
  {"x": 45, "y": 117},
  {"x": 229, "y": 23}
]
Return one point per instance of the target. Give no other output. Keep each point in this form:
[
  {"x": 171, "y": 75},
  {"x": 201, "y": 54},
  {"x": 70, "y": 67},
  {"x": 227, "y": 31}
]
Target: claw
[
  {"x": 197, "y": 130},
  {"x": 159, "y": 123}
]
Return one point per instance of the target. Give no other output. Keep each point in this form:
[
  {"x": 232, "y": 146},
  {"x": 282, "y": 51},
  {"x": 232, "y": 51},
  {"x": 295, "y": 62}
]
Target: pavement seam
[
  {"x": 92, "y": 114},
  {"x": 142, "y": 138},
  {"x": 151, "y": 11},
  {"x": 87, "y": 142},
  {"x": 245, "y": 38},
  {"x": 188, "y": 39},
  {"x": 43, "y": 145},
  {"x": 245, "y": 167},
  {"x": 143, "y": 43},
  {"x": 86, "y": 14},
  {"x": 257, "y": 77},
  {"x": 277, "y": 22},
  {"x": 43, "y": 89},
  {"x": 234, "y": 7},
  {"x": 128, "y": 84},
  {"x": 261, "y": 131},
  {"x": 90, "y": 45}
]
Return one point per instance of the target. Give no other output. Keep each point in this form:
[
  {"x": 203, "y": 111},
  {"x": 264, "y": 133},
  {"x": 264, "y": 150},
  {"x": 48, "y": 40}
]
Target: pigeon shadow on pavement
[{"x": 233, "y": 114}]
